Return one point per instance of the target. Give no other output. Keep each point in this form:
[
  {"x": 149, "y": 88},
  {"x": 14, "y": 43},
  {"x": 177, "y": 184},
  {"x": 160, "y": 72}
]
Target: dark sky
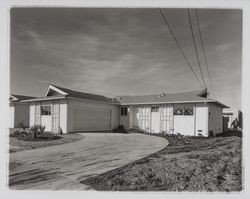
[{"x": 123, "y": 51}]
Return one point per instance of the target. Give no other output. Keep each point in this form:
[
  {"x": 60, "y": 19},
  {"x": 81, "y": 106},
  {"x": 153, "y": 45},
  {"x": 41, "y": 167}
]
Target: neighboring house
[
  {"x": 187, "y": 113},
  {"x": 19, "y": 111},
  {"x": 229, "y": 115},
  {"x": 73, "y": 111}
]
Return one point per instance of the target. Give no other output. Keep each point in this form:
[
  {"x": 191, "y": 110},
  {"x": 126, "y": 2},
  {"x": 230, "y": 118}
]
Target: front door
[
  {"x": 46, "y": 119},
  {"x": 155, "y": 120}
]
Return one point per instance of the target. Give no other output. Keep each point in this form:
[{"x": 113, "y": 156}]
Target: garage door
[{"x": 91, "y": 119}]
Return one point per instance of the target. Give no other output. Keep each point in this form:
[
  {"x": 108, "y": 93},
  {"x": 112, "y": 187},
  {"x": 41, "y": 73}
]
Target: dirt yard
[{"x": 186, "y": 164}]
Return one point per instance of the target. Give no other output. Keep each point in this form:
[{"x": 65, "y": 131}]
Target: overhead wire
[
  {"x": 179, "y": 46},
  {"x": 195, "y": 47},
  {"x": 203, "y": 49}
]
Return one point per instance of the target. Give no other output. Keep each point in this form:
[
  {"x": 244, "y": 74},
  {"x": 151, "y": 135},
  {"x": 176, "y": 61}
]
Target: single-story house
[
  {"x": 19, "y": 111},
  {"x": 73, "y": 111},
  {"x": 187, "y": 113}
]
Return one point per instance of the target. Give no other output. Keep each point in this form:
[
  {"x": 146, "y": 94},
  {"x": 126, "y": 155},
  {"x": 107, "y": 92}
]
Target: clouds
[{"x": 119, "y": 51}]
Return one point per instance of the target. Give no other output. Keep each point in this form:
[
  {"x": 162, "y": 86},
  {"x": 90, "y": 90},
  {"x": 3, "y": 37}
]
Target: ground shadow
[{"x": 230, "y": 133}]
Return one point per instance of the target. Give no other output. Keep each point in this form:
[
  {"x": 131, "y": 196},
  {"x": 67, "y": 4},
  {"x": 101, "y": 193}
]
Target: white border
[{"x": 5, "y": 6}]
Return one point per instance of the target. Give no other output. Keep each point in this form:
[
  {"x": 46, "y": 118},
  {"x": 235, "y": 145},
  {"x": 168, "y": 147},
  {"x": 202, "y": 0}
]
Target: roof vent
[{"x": 162, "y": 94}]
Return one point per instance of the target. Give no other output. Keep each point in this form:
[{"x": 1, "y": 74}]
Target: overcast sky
[{"x": 123, "y": 51}]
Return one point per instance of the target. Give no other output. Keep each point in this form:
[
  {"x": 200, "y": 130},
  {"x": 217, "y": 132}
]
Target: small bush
[{"x": 37, "y": 129}]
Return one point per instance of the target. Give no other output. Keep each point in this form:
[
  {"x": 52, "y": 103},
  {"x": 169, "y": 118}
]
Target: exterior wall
[
  {"x": 32, "y": 114},
  {"x": 184, "y": 124},
  {"x": 215, "y": 121},
  {"x": 201, "y": 119},
  {"x": 135, "y": 117},
  {"x": 62, "y": 113},
  {"x": 19, "y": 113},
  {"x": 89, "y": 104},
  {"x": 125, "y": 120},
  {"x": 191, "y": 125}
]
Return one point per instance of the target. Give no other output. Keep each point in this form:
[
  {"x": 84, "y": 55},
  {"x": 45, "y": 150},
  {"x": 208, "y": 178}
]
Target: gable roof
[
  {"x": 18, "y": 98},
  {"x": 57, "y": 92},
  {"x": 181, "y": 97}
]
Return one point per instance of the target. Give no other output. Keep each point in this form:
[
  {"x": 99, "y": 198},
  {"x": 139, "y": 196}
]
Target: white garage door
[{"x": 91, "y": 119}]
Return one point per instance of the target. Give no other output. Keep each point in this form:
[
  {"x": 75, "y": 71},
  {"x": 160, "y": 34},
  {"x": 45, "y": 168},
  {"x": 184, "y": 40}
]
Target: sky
[{"x": 124, "y": 51}]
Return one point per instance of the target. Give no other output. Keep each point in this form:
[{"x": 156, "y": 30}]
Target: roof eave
[
  {"x": 43, "y": 99},
  {"x": 169, "y": 102}
]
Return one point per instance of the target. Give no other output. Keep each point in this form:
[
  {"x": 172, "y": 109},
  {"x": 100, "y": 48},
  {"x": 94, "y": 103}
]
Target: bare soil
[{"x": 186, "y": 164}]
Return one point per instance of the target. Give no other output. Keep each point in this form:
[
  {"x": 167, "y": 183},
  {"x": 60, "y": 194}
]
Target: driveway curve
[{"x": 60, "y": 166}]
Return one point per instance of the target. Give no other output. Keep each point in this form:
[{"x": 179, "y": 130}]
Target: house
[
  {"x": 72, "y": 111},
  {"x": 229, "y": 114},
  {"x": 19, "y": 111},
  {"x": 187, "y": 113}
]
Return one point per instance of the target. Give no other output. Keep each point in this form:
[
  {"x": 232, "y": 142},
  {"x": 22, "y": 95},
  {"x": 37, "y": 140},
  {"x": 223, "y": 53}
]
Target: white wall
[
  {"x": 135, "y": 117},
  {"x": 32, "y": 114},
  {"x": 215, "y": 121},
  {"x": 201, "y": 119},
  {"x": 89, "y": 104},
  {"x": 184, "y": 124},
  {"x": 63, "y": 113}
]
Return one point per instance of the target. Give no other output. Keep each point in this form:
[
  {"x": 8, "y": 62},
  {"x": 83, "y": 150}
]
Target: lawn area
[
  {"x": 21, "y": 145},
  {"x": 186, "y": 164}
]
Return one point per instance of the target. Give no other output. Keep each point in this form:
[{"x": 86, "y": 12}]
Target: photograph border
[{"x": 5, "y": 7}]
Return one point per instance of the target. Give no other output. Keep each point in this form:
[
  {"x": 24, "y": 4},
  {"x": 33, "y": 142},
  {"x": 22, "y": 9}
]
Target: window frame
[
  {"x": 124, "y": 111},
  {"x": 46, "y": 110},
  {"x": 155, "y": 109},
  {"x": 185, "y": 109}
]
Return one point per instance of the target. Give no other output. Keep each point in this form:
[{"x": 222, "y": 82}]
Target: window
[
  {"x": 155, "y": 109},
  {"x": 178, "y": 109},
  {"x": 124, "y": 111},
  {"x": 181, "y": 109},
  {"x": 45, "y": 110},
  {"x": 188, "y": 110}
]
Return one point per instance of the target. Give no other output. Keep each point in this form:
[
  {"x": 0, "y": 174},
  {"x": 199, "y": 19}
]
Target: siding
[
  {"x": 215, "y": 123},
  {"x": 201, "y": 119},
  {"x": 63, "y": 113}
]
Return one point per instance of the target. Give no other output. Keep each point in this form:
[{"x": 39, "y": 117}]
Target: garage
[
  {"x": 91, "y": 119},
  {"x": 64, "y": 110}
]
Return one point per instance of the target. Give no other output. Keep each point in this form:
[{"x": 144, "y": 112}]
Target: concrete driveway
[{"x": 62, "y": 166}]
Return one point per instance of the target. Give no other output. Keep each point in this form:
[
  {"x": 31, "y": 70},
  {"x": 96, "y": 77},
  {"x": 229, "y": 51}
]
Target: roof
[
  {"x": 193, "y": 96},
  {"x": 68, "y": 93},
  {"x": 83, "y": 95},
  {"x": 18, "y": 98}
]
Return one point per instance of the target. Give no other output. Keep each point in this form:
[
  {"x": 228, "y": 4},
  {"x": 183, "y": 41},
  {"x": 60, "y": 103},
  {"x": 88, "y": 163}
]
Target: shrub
[{"x": 37, "y": 129}]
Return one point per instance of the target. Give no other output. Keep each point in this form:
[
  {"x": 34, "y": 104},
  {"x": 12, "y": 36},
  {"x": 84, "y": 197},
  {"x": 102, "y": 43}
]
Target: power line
[
  {"x": 177, "y": 43},
  {"x": 203, "y": 48},
  {"x": 195, "y": 47}
]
